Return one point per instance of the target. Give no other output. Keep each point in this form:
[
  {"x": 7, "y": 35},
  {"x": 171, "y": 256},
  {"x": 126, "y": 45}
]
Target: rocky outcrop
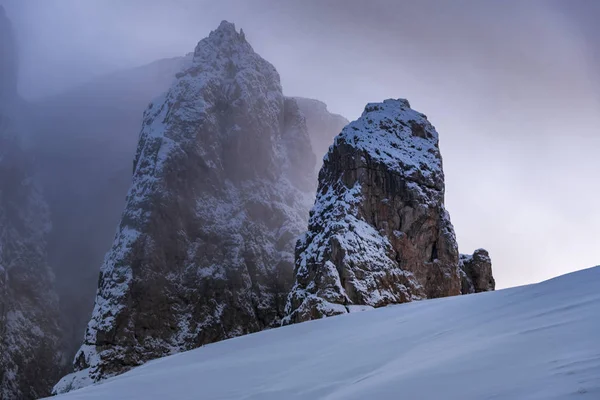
[
  {"x": 476, "y": 272},
  {"x": 378, "y": 232},
  {"x": 95, "y": 127},
  {"x": 220, "y": 191},
  {"x": 30, "y": 359}
]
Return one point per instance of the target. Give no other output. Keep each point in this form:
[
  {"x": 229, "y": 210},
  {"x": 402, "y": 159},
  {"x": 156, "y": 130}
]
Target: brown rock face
[
  {"x": 220, "y": 192},
  {"x": 378, "y": 233},
  {"x": 476, "y": 272}
]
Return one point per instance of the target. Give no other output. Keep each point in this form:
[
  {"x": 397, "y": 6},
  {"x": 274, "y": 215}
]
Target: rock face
[
  {"x": 30, "y": 359},
  {"x": 378, "y": 232},
  {"x": 95, "y": 127},
  {"x": 476, "y": 272},
  {"x": 221, "y": 190}
]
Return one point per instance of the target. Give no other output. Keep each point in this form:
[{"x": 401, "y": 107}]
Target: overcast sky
[{"x": 512, "y": 86}]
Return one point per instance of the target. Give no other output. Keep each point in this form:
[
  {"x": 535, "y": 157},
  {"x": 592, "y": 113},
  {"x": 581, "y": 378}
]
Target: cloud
[{"x": 511, "y": 86}]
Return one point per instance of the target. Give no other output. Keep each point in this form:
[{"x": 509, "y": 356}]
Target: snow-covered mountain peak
[
  {"x": 226, "y": 29},
  {"x": 400, "y": 138},
  {"x": 223, "y": 38},
  {"x": 379, "y": 233},
  {"x": 221, "y": 189},
  {"x": 225, "y": 75},
  {"x": 226, "y": 49}
]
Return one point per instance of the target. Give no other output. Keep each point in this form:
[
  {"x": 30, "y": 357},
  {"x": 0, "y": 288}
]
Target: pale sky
[{"x": 513, "y": 88}]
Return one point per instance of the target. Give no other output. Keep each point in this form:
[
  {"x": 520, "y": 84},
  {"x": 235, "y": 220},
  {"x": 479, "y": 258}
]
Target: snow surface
[{"x": 533, "y": 342}]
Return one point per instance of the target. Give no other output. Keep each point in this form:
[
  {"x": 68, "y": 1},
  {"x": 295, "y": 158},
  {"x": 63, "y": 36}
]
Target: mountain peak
[
  {"x": 223, "y": 44},
  {"x": 379, "y": 233},
  {"x": 400, "y": 138},
  {"x": 226, "y": 32},
  {"x": 226, "y": 26}
]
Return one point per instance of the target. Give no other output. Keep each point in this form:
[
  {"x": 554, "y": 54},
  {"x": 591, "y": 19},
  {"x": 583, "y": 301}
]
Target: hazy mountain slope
[
  {"x": 322, "y": 125},
  {"x": 84, "y": 142},
  {"x": 30, "y": 356},
  {"x": 533, "y": 342}
]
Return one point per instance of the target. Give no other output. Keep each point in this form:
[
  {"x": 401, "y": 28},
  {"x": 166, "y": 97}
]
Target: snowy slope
[{"x": 535, "y": 342}]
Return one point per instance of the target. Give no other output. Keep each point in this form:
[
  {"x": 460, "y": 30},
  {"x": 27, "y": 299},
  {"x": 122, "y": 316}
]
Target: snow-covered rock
[
  {"x": 221, "y": 190},
  {"x": 476, "y": 272},
  {"x": 378, "y": 232},
  {"x": 95, "y": 127},
  {"x": 532, "y": 342},
  {"x": 30, "y": 356}
]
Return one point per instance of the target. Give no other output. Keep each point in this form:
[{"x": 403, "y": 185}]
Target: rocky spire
[
  {"x": 378, "y": 233},
  {"x": 476, "y": 272},
  {"x": 8, "y": 58},
  {"x": 220, "y": 192}
]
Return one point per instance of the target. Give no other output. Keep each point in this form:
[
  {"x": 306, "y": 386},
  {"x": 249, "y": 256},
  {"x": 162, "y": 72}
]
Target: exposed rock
[
  {"x": 378, "y": 233},
  {"x": 30, "y": 359},
  {"x": 476, "y": 272},
  {"x": 96, "y": 127},
  {"x": 221, "y": 190}
]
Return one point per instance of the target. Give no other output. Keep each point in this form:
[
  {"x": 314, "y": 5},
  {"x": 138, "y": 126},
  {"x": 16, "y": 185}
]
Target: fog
[{"x": 512, "y": 87}]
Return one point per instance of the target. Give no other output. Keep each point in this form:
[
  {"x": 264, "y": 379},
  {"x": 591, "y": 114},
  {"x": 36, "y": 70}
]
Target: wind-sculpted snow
[
  {"x": 378, "y": 232},
  {"x": 220, "y": 192},
  {"x": 532, "y": 342}
]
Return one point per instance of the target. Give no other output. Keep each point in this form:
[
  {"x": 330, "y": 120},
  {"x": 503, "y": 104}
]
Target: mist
[{"x": 511, "y": 87}]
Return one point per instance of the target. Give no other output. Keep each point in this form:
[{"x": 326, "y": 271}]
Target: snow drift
[{"x": 532, "y": 342}]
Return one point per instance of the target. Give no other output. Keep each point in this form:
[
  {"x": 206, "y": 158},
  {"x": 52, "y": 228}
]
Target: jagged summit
[
  {"x": 225, "y": 27},
  {"x": 204, "y": 249},
  {"x": 400, "y": 138},
  {"x": 378, "y": 233},
  {"x": 223, "y": 42}
]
